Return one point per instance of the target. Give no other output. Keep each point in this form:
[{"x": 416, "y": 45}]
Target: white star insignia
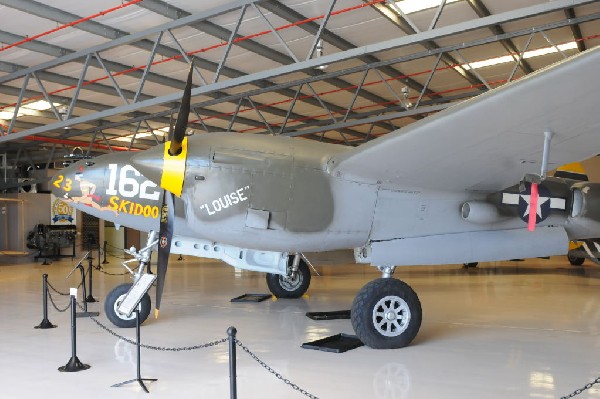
[
  {"x": 541, "y": 201},
  {"x": 513, "y": 199}
]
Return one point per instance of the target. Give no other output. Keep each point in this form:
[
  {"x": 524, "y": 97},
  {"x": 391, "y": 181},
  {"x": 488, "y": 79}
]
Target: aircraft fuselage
[
  {"x": 278, "y": 194},
  {"x": 268, "y": 193}
]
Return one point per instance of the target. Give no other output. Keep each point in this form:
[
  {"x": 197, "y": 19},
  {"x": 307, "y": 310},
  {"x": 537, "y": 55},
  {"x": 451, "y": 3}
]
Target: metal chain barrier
[
  {"x": 580, "y": 390},
  {"x": 276, "y": 374},
  {"x": 156, "y": 348},
  {"x": 54, "y": 304},
  {"x": 55, "y": 290},
  {"x": 239, "y": 343},
  {"x": 203, "y": 346},
  {"x": 114, "y": 254},
  {"x": 101, "y": 270},
  {"x": 62, "y": 293}
]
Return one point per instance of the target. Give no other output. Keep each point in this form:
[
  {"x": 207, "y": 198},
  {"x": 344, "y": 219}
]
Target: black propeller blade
[
  {"x": 165, "y": 236},
  {"x": 182, "y": 118},
  {"x": 176, "y": 136}
]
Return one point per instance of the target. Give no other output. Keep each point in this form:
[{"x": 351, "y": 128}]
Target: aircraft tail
[
  {"x": 573, "y": 171},
  {"x": 588, "y": 249}
]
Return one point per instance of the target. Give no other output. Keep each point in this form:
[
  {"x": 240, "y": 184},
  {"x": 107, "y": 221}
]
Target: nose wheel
[{"x": 113, "y": 301}]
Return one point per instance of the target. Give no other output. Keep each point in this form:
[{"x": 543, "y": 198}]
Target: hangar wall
[{"x": 36, "y": 209}]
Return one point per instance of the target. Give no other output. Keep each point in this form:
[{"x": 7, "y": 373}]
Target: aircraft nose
[
  {"x": 150, "y": 163},
  {"x": 162, "y": 168}
]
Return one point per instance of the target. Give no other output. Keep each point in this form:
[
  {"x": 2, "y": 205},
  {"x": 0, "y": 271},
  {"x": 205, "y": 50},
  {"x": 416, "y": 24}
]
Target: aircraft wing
[{"x": 489, "y": 142}]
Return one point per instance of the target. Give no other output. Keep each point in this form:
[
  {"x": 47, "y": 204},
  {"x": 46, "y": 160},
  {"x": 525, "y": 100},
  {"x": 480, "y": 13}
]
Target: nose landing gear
[{"x": 117, "y": 294}]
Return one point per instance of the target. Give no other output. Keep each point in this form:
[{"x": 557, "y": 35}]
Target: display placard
[
  {"x": 135, "y": 294},
  {"x": 61, "y": 213}
]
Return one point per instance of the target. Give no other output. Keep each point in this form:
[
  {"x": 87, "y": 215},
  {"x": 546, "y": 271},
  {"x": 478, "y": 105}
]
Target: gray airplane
[{"x": 467, "y": 184}]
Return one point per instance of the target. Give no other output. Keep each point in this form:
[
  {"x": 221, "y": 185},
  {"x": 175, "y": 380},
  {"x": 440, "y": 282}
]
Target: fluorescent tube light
[
  {"x": 412, "y": 6},
  {"x": 528, "y": 54}
]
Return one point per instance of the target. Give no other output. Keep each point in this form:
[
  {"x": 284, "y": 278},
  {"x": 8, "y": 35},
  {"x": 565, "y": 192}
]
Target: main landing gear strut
[{"x": 386, "y": 313}]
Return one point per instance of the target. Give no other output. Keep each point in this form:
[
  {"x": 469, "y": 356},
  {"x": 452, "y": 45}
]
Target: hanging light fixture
[{"x": 319, "y": 53}]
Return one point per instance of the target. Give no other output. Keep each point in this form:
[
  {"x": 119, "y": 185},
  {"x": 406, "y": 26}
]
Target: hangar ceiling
[{"x": 99, "y": 76}]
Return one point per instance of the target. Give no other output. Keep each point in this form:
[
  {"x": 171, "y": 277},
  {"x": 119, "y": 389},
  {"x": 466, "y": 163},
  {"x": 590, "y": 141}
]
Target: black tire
[
  {"x": 471, "y": 264},
  {"x": 285, "y": 287},
  {"x": 114, "y": 298},
  {"x": 575, "y": 260},
  {"x": 378, "y": 300}
]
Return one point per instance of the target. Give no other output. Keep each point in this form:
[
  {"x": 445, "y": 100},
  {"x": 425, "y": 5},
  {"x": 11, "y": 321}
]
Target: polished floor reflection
[{"x": 527, "y": 329}]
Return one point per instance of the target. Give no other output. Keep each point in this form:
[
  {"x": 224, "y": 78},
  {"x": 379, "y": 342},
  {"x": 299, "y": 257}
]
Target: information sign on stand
[{"x": 79, "y": 266}]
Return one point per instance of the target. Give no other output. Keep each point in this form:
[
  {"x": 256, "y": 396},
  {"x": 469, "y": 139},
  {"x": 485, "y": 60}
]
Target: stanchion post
[
  {"x": 45, "y": 322},
  {"x": 99, "y": 255},
  {"x": 73, "y": 364},
  {"x": 231, "y": 331},
  {"x": 138, "y": 344},
  {"x": 80, "y": 267},
  {"x": 104, "y": 262},
  {"x": 90, "y": 297},
  {"x": 45, "y": 263},
  {"x": 85, "y": 312}
]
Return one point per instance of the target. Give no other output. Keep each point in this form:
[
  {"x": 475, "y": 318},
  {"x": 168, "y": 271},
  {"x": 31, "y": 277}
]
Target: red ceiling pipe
[
  {"x": 73, "y": 23},
  {"x": 140, "y": 67},
  {"x": 223, "y": 44},
  {"x": 75, "y": 143}
]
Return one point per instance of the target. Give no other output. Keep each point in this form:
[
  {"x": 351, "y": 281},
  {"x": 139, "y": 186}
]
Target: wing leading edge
[{"x": 489, "y": 142}]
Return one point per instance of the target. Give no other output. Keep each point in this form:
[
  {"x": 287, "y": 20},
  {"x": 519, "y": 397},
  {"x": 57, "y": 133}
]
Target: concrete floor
[{"x": 526, "y": 329}]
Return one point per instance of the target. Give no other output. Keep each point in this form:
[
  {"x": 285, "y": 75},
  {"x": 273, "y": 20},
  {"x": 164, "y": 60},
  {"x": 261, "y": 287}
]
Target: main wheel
[
  {"x": 575, "y": 260},
  {"x": 386, "y": 314},
  {"x": 113, "y": 301},
  {"x": 290, "y": 287}
]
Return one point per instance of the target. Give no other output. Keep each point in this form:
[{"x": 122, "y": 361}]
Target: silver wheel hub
[
  {"x": 391, "y": 316},
  {"x": 291, "y": 283},
  {"x": 116, "y": 309}
]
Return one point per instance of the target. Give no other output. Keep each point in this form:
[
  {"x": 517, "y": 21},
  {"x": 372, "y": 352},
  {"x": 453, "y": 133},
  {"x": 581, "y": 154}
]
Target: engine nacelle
[
  {"x": 480, "y": 212},
  {"x": 584, "y": 218}
]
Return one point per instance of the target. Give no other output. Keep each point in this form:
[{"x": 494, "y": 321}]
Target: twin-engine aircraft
[{"x": 467, "y": 184}]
